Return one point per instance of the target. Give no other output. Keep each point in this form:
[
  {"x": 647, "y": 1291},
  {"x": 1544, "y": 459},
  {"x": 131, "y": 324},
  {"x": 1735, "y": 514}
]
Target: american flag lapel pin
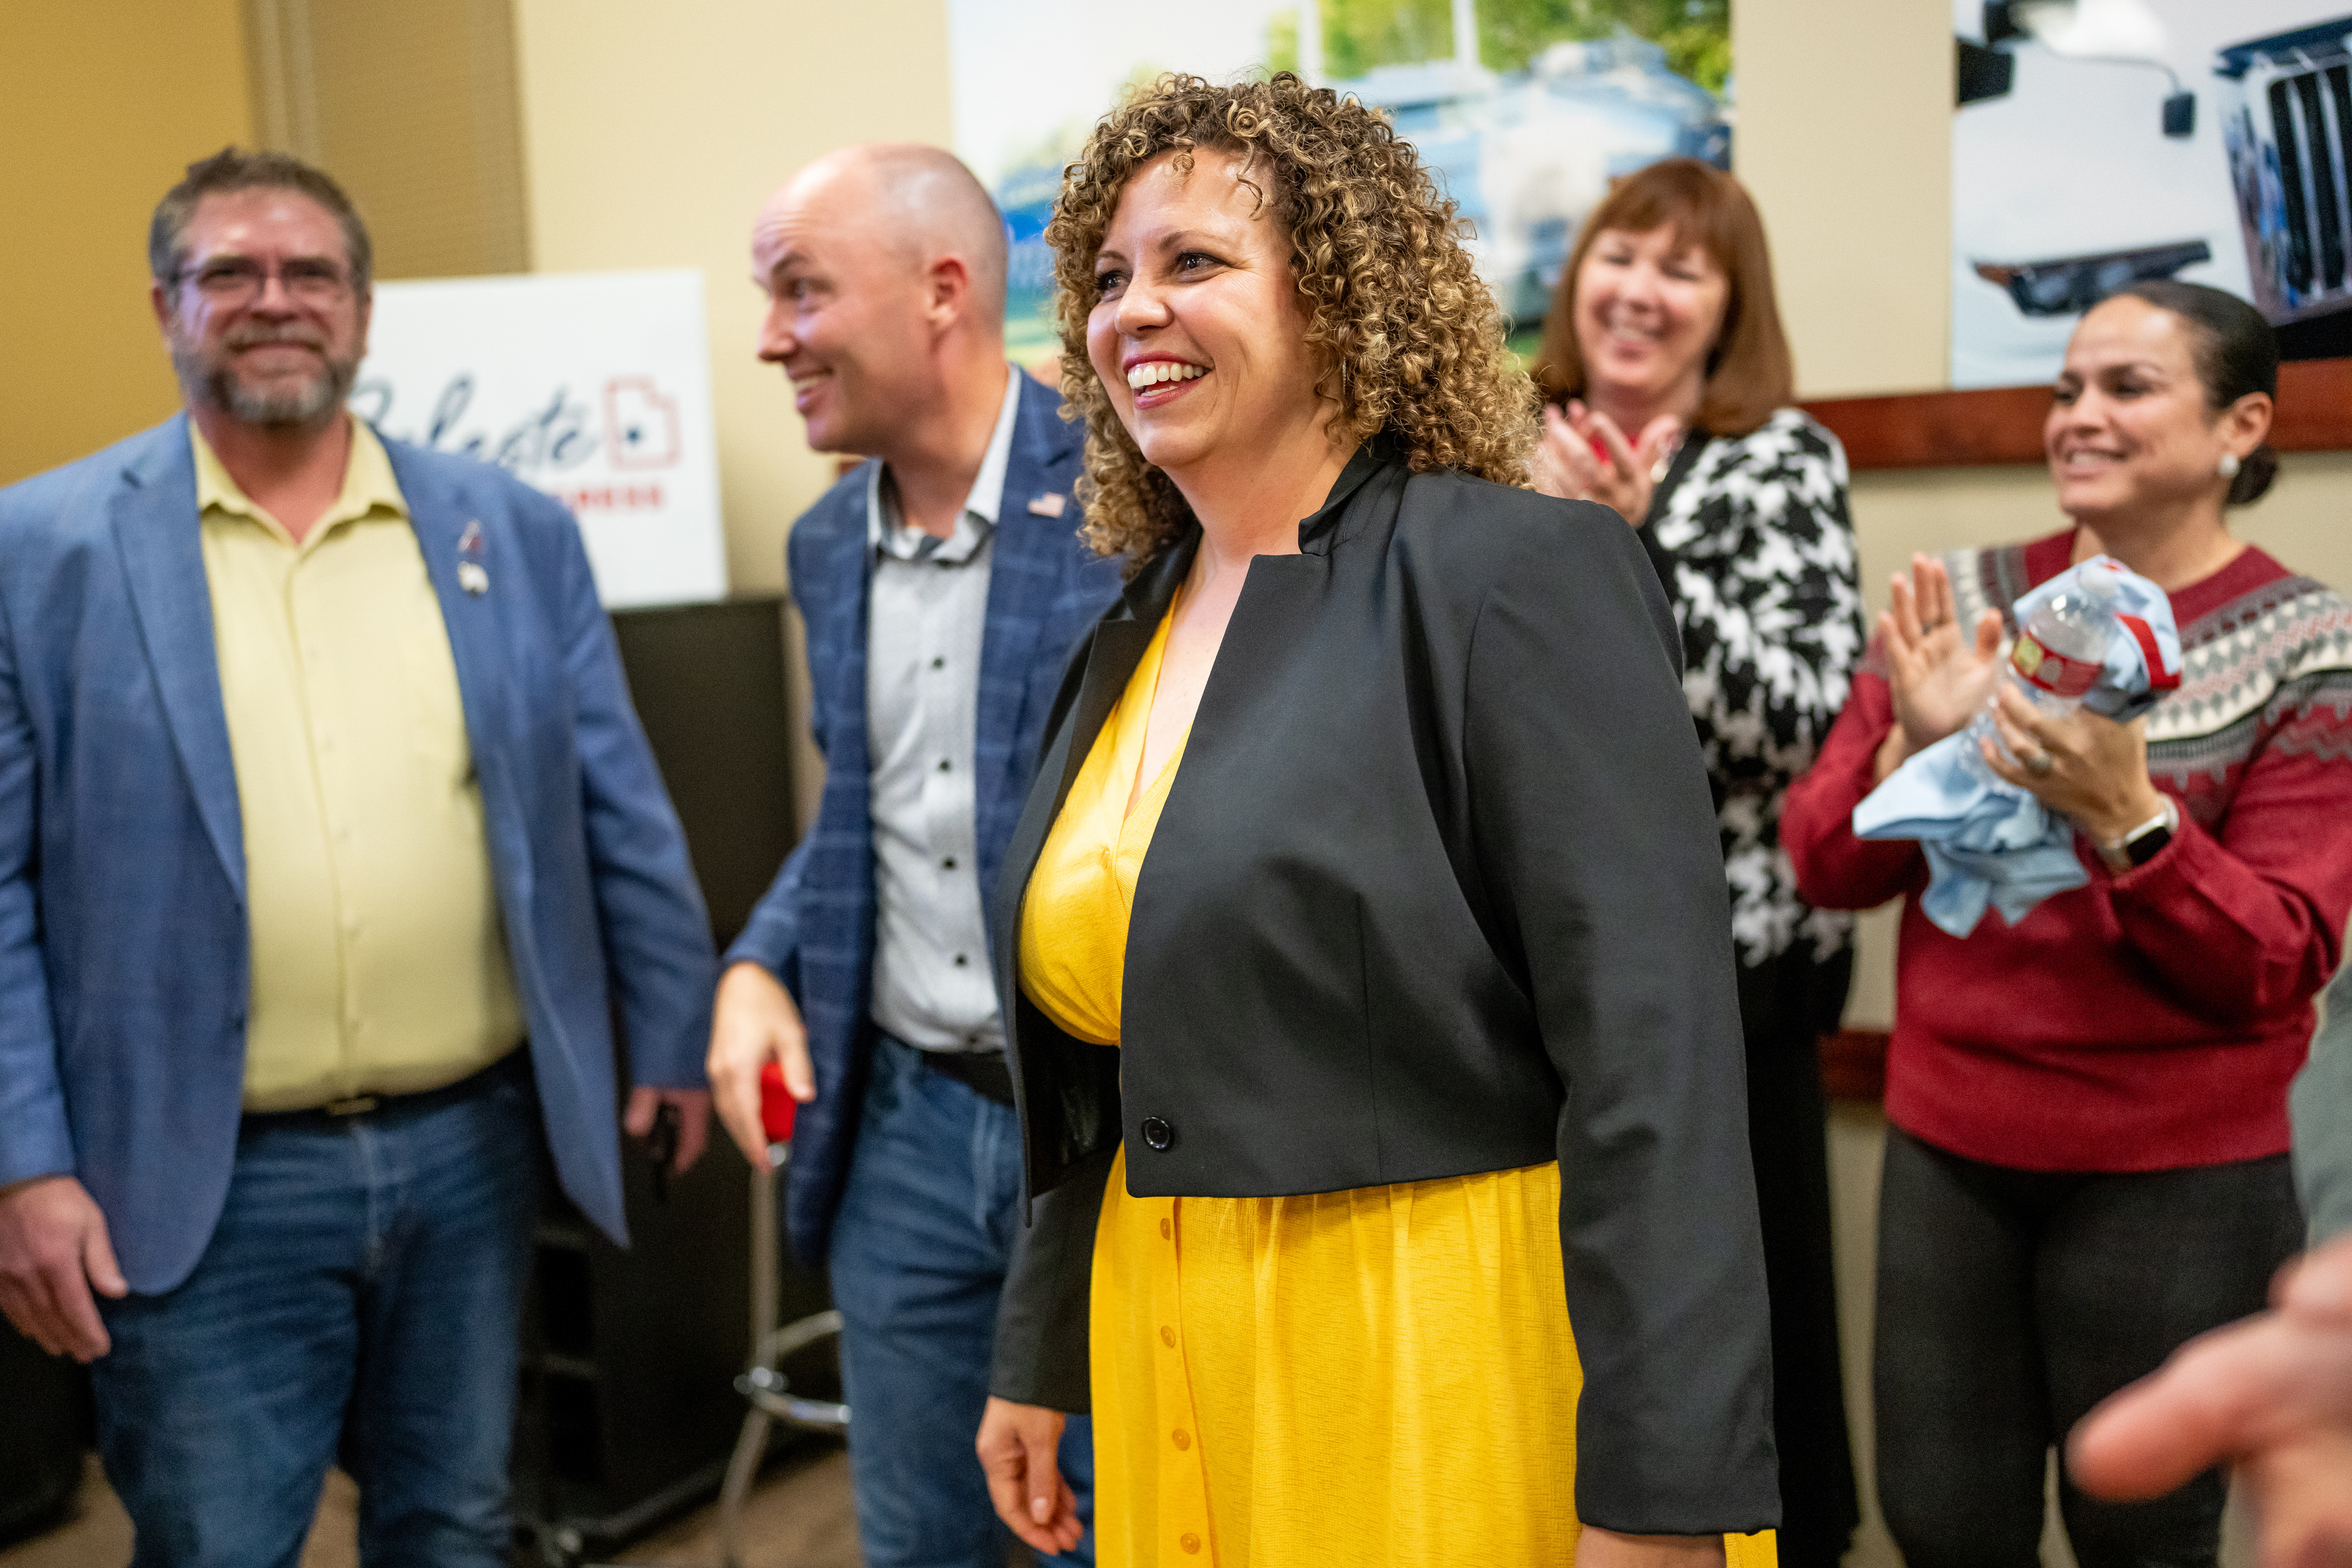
[
  {"x": 1050, "y": 504},
  {"x": 471, "y": 575}
]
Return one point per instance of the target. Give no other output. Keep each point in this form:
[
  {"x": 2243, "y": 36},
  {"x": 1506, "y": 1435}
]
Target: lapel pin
[
  {"x": 471, "y": 576},
  {"x": 1050, "y": 504}
]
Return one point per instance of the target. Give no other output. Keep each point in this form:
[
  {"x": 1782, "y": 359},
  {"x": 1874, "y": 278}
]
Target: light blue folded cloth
[{"x": 1988, "y": 842}]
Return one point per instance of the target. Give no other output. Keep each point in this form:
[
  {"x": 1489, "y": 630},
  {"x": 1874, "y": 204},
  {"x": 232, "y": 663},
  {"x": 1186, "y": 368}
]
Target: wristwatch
[{"x": 2143, "y": 843}]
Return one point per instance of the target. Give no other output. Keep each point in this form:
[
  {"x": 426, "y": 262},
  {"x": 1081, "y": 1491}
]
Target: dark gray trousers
[{"x": 2011, "y": 1301}]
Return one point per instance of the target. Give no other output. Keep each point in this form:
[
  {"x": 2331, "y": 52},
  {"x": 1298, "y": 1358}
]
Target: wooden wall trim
[
  {"x": 2002, "y": 424},
  {"x": 1938, "y": 429}
]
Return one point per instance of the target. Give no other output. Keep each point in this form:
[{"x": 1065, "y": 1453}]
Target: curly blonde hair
[{"x": 1412, "y": 344}]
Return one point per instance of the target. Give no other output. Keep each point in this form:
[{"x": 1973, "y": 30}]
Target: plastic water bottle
[{"x": 2058, "y": 655}]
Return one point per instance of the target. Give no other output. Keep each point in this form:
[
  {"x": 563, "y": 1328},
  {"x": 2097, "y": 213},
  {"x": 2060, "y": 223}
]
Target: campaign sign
[{"x": 593, "y": 387}]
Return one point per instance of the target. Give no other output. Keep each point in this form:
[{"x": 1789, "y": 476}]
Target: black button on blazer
[{"x": 1437, "y": 890}]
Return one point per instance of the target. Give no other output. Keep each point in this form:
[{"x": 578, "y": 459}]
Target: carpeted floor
[{"x": 798, "y": 1517}]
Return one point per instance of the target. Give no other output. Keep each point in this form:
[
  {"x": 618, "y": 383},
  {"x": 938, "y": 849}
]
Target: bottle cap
[{"x": 2099, "y": 584}]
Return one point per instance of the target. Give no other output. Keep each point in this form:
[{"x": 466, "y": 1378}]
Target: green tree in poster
[
  {"x": 1696, "y": 34},
  {"x": 1361, "y": 34},
  {"x": 1282, "y": 42},
  {"x": 1358, "y": 34}
]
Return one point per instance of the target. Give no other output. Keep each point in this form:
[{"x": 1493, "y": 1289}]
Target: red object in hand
[{"x": 777, "y": 1106}]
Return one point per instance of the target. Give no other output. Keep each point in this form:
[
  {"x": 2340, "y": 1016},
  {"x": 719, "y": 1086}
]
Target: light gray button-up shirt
[{"x": 925, "y": 621}]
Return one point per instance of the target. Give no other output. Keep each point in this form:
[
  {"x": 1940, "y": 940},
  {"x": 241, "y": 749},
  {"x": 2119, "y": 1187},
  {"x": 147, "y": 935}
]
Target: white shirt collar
[{"x": 978, "y": 520}]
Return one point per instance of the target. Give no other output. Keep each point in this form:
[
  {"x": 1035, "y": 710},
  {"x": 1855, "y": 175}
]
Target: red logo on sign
[{"x": 640, "y": 424}]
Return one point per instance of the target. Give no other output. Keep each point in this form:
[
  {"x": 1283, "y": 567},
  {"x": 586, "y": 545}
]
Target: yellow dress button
[
  {"x": 1181, "y": 1438},
  {"x": 1167, "y": 1337},
  {"x": 1189, "y": 1542},
  {"x": 1166, "y": 1231}
]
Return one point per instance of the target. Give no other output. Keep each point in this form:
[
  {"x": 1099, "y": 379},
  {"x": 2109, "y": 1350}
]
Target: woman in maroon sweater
[{"x": 2087, "y": 1163}]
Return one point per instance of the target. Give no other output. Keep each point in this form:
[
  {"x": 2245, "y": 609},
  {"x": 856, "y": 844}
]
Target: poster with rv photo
[{"x": 1527, "y": 109}]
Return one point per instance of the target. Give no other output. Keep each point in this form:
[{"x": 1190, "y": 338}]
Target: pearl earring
[{"x": 2227, "y": 466}]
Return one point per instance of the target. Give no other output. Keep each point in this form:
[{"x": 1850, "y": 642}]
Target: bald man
[{"x": 943, "y": 587}]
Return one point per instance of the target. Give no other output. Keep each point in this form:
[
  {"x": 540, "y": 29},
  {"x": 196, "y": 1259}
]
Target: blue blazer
[
  {"x": 815, "y": 927},
  {"x": 124, "y": 945}
]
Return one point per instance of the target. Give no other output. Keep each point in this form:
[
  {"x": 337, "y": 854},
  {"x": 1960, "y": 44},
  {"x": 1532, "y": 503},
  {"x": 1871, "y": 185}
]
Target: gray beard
[{"x": 281, "y": 405}]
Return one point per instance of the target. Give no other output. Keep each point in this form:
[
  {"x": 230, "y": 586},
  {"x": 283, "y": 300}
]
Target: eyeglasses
[{"x": 239, "y": 281}]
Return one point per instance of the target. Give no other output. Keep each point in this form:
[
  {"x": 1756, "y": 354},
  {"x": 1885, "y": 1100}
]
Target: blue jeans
[
  {"x": 359, "y": 1300},
  {"x": 920, "y": 1250}
]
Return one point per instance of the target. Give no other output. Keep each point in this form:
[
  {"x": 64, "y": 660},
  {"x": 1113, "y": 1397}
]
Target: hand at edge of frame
[
  {"x": 2272, "y": 1393},
  {"x": 54, "y": 1251}
]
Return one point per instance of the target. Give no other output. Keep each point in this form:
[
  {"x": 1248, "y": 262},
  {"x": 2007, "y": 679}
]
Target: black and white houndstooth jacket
[{"x": 1754, "y": 536}]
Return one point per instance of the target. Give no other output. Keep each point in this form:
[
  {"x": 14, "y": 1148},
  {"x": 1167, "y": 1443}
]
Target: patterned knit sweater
[
  {"x": 1752, "y": 536},
  {"x": 2150, "y": 1020}
]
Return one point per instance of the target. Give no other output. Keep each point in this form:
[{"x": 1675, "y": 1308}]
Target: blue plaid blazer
[{"x": 813, "y": 929}]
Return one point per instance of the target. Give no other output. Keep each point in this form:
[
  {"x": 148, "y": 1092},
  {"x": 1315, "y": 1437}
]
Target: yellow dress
[{"x": 1385, "y": 1376}]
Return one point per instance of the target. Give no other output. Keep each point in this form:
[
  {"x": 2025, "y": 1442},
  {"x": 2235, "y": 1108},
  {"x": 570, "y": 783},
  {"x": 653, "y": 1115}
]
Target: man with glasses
[{"x": 324, "y": 818}]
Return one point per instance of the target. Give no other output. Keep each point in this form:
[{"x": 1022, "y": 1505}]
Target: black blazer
[{"x": 1438, "y": 890}]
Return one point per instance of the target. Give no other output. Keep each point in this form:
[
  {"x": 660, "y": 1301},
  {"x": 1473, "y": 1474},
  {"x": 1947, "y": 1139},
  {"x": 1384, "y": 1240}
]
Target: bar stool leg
[{"x": 751, "y": 1446}]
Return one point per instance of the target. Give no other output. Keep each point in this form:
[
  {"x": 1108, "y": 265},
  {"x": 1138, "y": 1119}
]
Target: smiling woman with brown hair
[
  {"x": 2086, "y": 1161},
  {"x": 1372, "y": 1014},
  {"x": 1671, "y": 401}
]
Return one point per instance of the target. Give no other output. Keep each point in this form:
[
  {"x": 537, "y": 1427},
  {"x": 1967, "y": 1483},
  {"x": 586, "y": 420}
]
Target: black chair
[
  {"x": 629, "y": 1412},
  {"x": 43, "y": 1434}
]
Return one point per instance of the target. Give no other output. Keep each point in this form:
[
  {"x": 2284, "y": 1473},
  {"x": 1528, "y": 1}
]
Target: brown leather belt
[{"x": 514, "y": 1064}]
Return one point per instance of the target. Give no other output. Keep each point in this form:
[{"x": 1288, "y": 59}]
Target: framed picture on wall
[
  {"x": 2096, "y": 143},
  {"x": 1526, "y": 109}
]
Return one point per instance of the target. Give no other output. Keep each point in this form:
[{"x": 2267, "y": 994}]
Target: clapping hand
[
  {"x": 1939, "y": 675},
  {"x": 1582, "y": 455}
]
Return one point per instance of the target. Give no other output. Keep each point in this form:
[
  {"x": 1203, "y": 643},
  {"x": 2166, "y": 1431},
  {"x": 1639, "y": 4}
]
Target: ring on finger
[{"x": 2039, "y": 763}]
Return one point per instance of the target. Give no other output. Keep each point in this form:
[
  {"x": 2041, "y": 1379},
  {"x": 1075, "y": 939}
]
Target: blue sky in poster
[{"x": 1029, "y": 74}]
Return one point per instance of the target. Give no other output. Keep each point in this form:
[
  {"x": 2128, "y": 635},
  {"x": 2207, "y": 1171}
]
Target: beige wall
[
  {"x": 101, "y": 107},
  {"x": 1843, "y": 135},
  {"x": 650, "y": 139},
  {"x": 411, "y": 108}
]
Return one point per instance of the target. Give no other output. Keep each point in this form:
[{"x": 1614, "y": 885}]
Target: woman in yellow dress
[{"x": 1373, "y": 1020}]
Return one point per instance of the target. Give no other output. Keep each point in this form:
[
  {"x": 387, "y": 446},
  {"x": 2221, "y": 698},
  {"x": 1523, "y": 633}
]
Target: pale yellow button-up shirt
[{"x": 380, "y": 963}]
